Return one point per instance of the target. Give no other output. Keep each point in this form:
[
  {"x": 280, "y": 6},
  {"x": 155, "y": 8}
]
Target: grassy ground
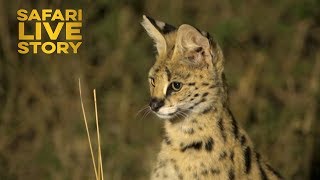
[{"x": 272, "y": 66}]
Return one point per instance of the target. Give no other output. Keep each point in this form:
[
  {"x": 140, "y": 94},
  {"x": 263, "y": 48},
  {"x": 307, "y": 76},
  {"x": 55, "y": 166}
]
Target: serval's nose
[{"x": 155, "y": 104}]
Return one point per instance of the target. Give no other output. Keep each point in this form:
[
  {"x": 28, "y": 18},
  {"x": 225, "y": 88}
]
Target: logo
[{"x": 49, "y": 31}]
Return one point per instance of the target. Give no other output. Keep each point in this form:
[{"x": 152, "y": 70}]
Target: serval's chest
[
  {"x": 193, "y": 163},
  {"x": 195, "y": 149}
]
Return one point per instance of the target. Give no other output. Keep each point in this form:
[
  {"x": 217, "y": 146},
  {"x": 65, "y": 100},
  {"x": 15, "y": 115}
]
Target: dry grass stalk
[{"x": 99, "y": 172}]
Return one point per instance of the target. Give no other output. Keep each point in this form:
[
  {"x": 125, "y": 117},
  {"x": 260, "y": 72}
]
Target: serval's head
[{"x": 187, "y": 76}]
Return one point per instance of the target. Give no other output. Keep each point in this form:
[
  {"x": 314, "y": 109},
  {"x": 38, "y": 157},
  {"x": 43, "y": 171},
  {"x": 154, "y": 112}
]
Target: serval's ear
[
  {"x": 193, "y": 45},
  {"x": 157, "y": 31}
]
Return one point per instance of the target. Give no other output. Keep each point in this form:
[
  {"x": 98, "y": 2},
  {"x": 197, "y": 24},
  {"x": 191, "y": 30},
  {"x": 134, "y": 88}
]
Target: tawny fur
[{"x": 202, "y": 139}]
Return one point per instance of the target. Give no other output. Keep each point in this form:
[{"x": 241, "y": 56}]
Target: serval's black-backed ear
[
  {"x": 157, "y": 31},
  {"x": 193, "y": 45},
  {"x": 198, "y": 48}
]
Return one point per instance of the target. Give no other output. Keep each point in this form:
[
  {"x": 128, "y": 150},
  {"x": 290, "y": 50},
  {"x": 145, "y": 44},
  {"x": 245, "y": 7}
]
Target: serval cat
[{"x": 188, "y": 89}]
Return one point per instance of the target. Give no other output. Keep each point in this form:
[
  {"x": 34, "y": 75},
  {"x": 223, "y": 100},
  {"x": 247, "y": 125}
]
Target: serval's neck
[{"x": 216, "y": 124}]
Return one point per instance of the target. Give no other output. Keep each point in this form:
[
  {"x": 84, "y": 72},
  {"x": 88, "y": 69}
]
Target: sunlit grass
[{"x": 98, "y": 172}]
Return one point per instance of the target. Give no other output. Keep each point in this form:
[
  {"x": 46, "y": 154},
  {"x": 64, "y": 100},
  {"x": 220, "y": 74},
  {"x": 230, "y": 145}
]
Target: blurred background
[{"x": 272, "y": 67}]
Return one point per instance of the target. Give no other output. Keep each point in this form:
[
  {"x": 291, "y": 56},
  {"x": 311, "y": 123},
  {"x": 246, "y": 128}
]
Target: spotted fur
[{"x": 202, "y": 138}]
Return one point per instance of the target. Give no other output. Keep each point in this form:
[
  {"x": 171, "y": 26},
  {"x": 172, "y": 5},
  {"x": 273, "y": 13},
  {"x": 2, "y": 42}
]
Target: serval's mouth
[
  {"x": 165, "y": 115},
  {"x": 176, "y": 114}
]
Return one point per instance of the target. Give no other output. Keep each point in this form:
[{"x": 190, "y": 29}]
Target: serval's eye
[
  {"x": 152, "y": 82},
  {"x": 176, "y": 86}
]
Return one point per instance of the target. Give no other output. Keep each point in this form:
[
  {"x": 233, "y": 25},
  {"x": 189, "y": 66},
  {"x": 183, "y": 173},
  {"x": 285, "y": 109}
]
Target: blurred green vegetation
[{"x": 272, "y": 66}]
